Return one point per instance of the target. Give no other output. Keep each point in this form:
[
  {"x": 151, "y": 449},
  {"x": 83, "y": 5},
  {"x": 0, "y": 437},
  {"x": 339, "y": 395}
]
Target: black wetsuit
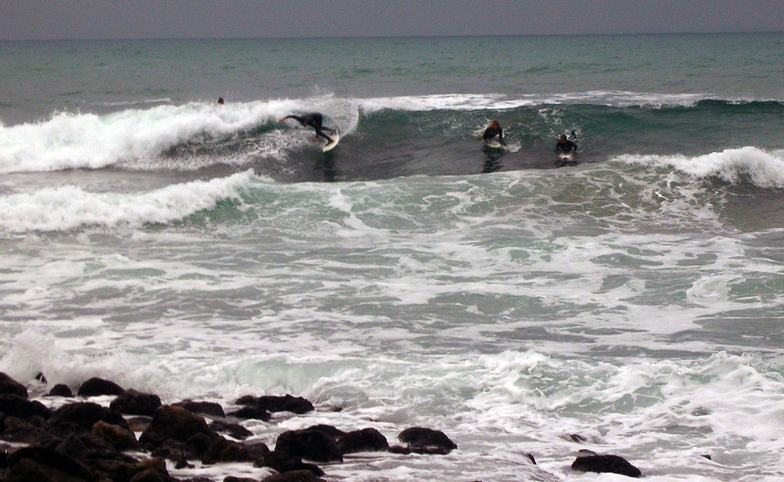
[
  {"x": 491, "y": 132},
  {"x": 314, "y": 120},
  {"x": 565, "y": 147}
]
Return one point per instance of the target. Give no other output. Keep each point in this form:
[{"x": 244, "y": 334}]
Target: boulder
[
  {"x": 591, "y": 462},
  {"x": 61, "y": 390},
  {"x": 121, "y": 438},
  {"x": 96, "y": 387},
  {"x": 23, "y": 408},
  {"x": 132, "y": 402},
  {"x": 176, "y": 423},
  {"x": 287, "y": 403},
  {"x": 87, "y": 413},
  {"x": 205, "y": 408},
  {"x": 309, "y": 444},
  {"x": 425, "y": 438},
  {"x": 44, "y": 464},
  {"x": 365, "y": 440},
  {"x": 282, "y": 462},
  {"x": 223, "y": 450},
  {"x": 9, "y": 386},
  {"x": 252, "y": 413},
  {"x": 233, "y": 429},
  {"x": 293, "y": 476}
]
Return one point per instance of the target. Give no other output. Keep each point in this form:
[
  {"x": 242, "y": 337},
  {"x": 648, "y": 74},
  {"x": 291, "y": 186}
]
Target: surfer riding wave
[{"x": 314, "y": 120}]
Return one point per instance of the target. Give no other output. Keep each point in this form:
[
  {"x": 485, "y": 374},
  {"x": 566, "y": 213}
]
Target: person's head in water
[
  {"x": 495, "y": 125},
  {"x": 220, "y": 100},
  {"x": 562, "y": 138}
]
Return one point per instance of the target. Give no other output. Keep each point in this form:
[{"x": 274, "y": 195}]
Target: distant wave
[
  {"x": 748, "y": 164},
  {"x": 70, "y": 207}
]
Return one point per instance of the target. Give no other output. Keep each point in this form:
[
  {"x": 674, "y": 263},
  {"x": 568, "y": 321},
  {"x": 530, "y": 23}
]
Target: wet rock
[
  {"x": 121, "y": 438},
  {"x": 21, "y": 431},
  {"x": 176, "y": 423},
  {"x": 365, "y": 440},
  {"x": 234, "y": 430},
  {"x": 309, "y": 444},
  {"x": 252, "y": 413},
  {"x": 87, "y": 413},
  {"x": 61, "y": 390},
  {"x": 282, "y": 462},
  {"x": 132, "y": 402},
  {"x": 96, "y": 387},
  {"x": 9, "y": 386},
  {"x": 434, "y": 441},
  {"x": 287, "y": 403},
  {"x": 43, "y": 464},
  {"x": 205, "y": 408},
  {"x": 23, "y": 408},
  {"x": 293, "y": 476},
  {"x": 328, "y": 429},
  {"x": 591, "y": 462},
  {"x": 223, "y": 450}
]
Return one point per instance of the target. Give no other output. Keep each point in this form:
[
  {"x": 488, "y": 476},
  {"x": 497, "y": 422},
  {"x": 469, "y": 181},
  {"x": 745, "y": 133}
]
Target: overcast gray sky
[{"x": 77, "y": 19}]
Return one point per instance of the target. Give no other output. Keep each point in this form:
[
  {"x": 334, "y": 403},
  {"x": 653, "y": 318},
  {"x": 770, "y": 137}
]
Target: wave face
[{"x": 390, "y": 137}]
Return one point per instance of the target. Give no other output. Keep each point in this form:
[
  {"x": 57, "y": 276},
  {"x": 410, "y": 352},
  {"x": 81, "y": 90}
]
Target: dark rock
[
  {"x": 204, "y": 408},
  {"x": 605, "y": 463},
  {"x": 233, "y": 429},
  {"x": 61, "y": 390},
  {"x": 294, "y": 476},
  {"x": 283, "y": 462},
  {"x": 309, "y": 444},
  {"x": 148, "y": 475},
  {"x": 274, "y": 404},
  {"x": 20, "y": 431},
  {"x": 170, "y": 422},
  {"x": 328, "y": 429},
  {"x": 87, "y": 413},
  {"x": 41, "y": 464},
  {"x": 119, "y": 467},
  {"x": 252, "y": 413},
  {"x": 231, "y": 478},
  {"x": 223, "y": 450},
  {"x": 257, "y": 450},
  {"x": 121, "y": 438},
  {"x": 425, "y": 438},
  {"x": 95, "y": 387},
  {"x": 23, "y": 408},
  {"x": 132, "y": 402},
  {"x": 365, "y": 440},
  {"x": 9, "y": 386},
  {"x": 73, "y": 447}
]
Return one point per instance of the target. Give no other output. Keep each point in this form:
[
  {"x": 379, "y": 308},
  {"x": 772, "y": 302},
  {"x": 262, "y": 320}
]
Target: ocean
[{"x": 630, "y": 304}]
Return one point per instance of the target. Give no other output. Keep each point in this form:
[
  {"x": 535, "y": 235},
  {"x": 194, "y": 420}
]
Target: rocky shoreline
[{"x": 82, "y": 441}]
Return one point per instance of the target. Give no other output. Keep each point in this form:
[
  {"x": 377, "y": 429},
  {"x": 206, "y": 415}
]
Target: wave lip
[
  {"x": 71, "y": 207},
  {"x": 90, "y": 141},
  {"x": 747, "y": 164}
]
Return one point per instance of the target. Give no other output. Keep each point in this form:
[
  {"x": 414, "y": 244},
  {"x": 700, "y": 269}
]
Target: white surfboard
[
  {"x": 494, "y": 143},
  {"x": 328, "y": 147}
]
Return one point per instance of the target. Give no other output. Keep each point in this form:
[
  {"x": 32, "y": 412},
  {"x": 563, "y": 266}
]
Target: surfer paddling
[
  {"x": 313, "y": 120},
  {"x": 493, "y": 130}
]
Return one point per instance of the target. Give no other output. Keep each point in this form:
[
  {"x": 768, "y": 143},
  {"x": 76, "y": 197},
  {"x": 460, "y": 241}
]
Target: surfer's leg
[{"x": 319, "y": 133}]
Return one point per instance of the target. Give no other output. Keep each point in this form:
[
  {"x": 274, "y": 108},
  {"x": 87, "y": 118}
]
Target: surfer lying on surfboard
[
  {"x": 493, "y": 130},
  {"x": 565, "y": 147},
  {"x": 313, "y": 120}
]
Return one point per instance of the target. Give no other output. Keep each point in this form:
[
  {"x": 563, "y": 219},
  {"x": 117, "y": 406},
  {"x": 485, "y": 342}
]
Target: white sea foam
[
  {"x": 64, "y": 208},
  {"x": 749, "y": 164}
]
